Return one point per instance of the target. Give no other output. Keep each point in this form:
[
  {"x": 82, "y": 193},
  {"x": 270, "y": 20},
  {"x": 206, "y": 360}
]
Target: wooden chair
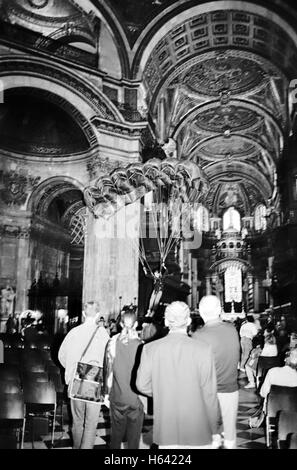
[
  {"x": 11, "y": 356},
  {"x": 264, "y": 364},
  {"x": 278, "y": 399},
  {"x": 17, "y": 342},
  {"x": 9, "y": 372},
  {"x": 12, "y": 416},
  {"x": 10, "y": 386},
  {"x": 287, "y": 424},
  {"x": 293, "y": 441},
  {"x": 35, "y": 376},
  {"x": 40, "y": 401}
]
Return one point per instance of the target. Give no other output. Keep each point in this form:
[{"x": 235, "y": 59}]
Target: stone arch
[
  {"x": 108, "y": 16},
  {"x": 48, "y": 190},
  {"x": 175, "y": 15},
  {"x": 39, "y": 74}
]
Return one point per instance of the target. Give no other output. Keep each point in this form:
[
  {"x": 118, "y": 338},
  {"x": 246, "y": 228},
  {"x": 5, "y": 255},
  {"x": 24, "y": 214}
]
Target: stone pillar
[
  {"x": 256, "y": 295},
  {"x": 250, "y": 302},
  {"x": 190, "y": 277},
  {"x": 23, "y": 270},
  {"x": 111, "y": 259},
  {"x": 195, "y": 283},
  {"x": 208, "y": 285}
]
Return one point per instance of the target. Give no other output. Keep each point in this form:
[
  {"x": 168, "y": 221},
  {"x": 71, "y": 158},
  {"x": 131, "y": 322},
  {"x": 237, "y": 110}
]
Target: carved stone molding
[
  {"x": 14, "y": 231},
  {"x": 38, "y": 68},
  {"x": 133, "y": 130},
  {"x": 99, "y": 165},
  {"x": 15, "y": 186}
]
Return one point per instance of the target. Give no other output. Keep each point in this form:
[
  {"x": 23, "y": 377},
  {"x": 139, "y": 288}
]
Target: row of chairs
[
  {"x": 281, "y": 414},
  {"x": 38, "y": 399},
  {"x": 16, "y": 341},
  {"x": 30, "y": 387}
]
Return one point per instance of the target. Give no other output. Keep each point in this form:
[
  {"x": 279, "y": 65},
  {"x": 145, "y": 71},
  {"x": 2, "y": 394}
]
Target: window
[
  {"x": 77, "y": 227},
  {"x": 201, "y": 222},
  {"x": 260, "y": 217},
  {"x": 233, "y": 284},
  {"x": 231, "y": 220}
]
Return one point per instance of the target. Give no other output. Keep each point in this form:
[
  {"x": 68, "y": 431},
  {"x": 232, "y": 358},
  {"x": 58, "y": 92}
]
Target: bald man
[
  {"x": 180, "y": 375},
  {"x": 224, "y": 341}
]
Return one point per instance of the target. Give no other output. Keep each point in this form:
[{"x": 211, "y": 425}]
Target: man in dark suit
[{"x": 179, "y": 374}]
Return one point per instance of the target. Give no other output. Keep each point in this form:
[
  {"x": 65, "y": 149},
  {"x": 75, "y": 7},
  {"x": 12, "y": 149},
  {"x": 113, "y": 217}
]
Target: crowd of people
[
  {"x": 186, "y": 371},
  {"x": 183, "y": 370}
]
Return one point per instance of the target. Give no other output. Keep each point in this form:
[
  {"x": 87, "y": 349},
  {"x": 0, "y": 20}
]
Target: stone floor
[{"x": 246, "y": 438}]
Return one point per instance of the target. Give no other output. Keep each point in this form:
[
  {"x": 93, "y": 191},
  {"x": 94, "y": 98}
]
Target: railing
[{"x": 30, "y": 39}]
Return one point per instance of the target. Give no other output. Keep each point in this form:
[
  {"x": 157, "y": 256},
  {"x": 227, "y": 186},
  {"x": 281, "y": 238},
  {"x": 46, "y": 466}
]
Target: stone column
[
  {"x": 250, "y": 302},
  {"x": 195, "y": 283},
  {"x": 208, "y": 285},
  {"x": 111, "y": 259},
  {"x": 256, "y": 295},
  {"x": 23, "y": 270},
  {"x": 190, "y": 277}
]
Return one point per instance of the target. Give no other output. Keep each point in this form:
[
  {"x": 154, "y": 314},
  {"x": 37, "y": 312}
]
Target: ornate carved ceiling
[
  {"x": 58, "y": 19},
  {"x": 221, "y": 30},
  {"x": 221, "y": 80},
  {"x": 220, "y": 73}
]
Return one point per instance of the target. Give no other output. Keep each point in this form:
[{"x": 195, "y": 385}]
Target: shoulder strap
[{"x": 89, "y": 343}]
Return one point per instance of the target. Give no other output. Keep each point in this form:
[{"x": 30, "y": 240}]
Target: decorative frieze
[{"x": 15, "y": 186}]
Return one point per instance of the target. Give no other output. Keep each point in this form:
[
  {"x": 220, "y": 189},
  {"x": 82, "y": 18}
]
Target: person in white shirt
[
  {"x": 285, "y": 376},
  {"x": 247, "y": 332},
  {"x": 84, "y": 415},
  {"x": 270, "y": 347}
]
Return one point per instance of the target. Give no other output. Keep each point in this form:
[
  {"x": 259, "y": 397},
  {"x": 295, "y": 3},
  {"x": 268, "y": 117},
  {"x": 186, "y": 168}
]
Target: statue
[{"x": 7, "y": 300}]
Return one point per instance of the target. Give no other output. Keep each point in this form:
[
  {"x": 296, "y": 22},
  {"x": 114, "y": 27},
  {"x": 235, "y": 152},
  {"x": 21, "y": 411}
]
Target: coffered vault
[{"x": 218, "y": 85}]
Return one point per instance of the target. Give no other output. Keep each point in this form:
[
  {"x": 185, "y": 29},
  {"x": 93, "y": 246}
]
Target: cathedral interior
[{"x": 98, "y": 96}]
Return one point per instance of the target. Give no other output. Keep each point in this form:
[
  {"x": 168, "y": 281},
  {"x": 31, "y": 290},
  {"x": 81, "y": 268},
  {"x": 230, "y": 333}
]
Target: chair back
[
  {"x": 9, "y": 372},
  {"x": 293, "y": 441},
  {"x": 17, "y": 342},
  {"x": 265, "y": 363},
  {"x": 12, "y": 406},
  {"x": 11, "y": 356},
  {"x": 281, "y": 399},
  {"x": 39, "y": 393},
  {"x": 9, "y": 386},
  {"x": 35, "y": 376},
  {"x": 38, "y": 367},
  {"x": 57, "y": 380},
  {"x": 287, "y": 424},
  {"x": 44, "y": 342}
]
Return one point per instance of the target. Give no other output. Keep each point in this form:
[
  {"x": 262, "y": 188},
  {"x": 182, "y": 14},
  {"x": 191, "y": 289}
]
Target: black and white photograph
[{"x": 148, "y": 227}]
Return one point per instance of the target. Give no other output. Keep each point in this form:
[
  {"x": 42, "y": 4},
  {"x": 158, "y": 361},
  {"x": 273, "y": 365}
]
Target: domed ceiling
[
  {"x": 62, "y": 20},
  {"x": 222, "y": 82},
  {"x": 32, "y": 125}
]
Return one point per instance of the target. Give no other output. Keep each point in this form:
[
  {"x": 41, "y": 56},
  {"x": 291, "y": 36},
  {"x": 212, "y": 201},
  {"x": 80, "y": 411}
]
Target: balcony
[{"x": 26, "y": 39}]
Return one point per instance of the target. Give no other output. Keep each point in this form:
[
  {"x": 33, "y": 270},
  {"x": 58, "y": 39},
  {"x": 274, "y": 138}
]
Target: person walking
[
  {"x": 126, "y": 408},
  {"x": 247, "y": 332},
  {"x": 84, "y": 415},
  {"x": 223, "y": 339},
  {"x": 179, "y": 373}
]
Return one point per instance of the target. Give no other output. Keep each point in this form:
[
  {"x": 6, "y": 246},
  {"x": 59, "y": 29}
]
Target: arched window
[
  {"x": 201, "y": 219},
  {"x": 260, "y": 217},
  {"x": 231, "y": 220},
  {"x": 77, "y": 227}
]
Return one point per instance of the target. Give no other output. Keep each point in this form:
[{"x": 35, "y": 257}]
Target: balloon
[{"x": 171, "y": 179}]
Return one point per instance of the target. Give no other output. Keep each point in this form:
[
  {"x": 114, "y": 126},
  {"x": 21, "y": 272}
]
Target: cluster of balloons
[{"x": 177, "y": 179}]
